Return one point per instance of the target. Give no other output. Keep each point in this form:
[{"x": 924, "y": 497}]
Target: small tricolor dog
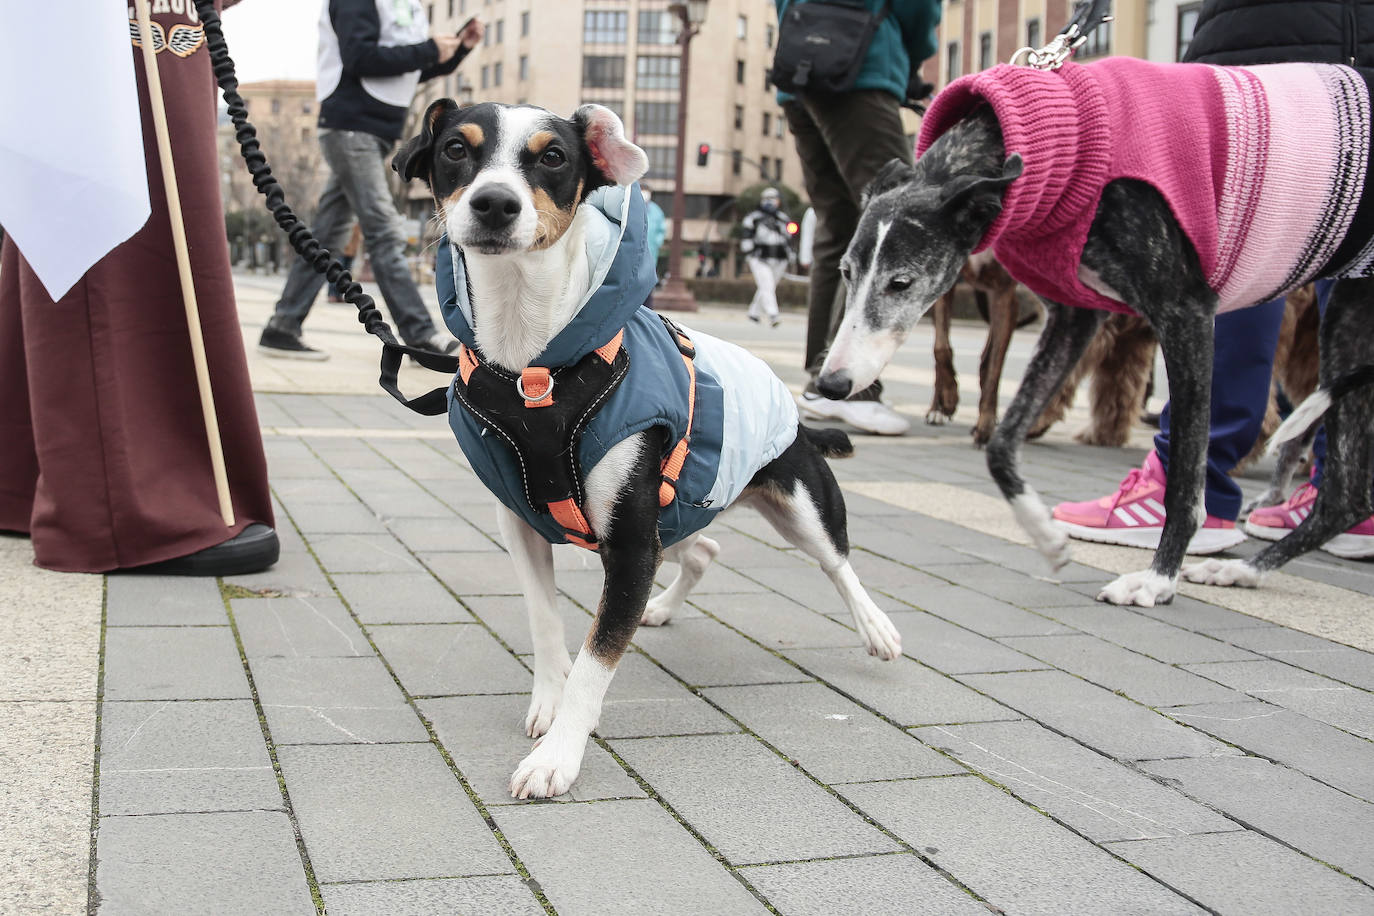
[
  {"x": 593, "y": 420},
  {"x": 1170, "y": 190}
]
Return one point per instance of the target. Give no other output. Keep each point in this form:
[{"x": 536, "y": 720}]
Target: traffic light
[
  {"x": 793, "y": 227},
  {"x": 703, "y": 151}
]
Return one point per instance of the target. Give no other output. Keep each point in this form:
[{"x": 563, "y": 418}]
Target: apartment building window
[
  {"x": 525, "y": 24},
  {"x": 741, "y": 27},
  {"x": 486, "y": 38},
  {"x": 769, "y": 33},
  {"x": 276, "y": 106},
  {"x": 656, "y": 72},
  {"x": 736, "y": 162},
  {"x": 603, "y": 72},
  {"x": 524, "y": 68},
  {"x": 767, "y": 78},
  {"x": 307, "y": 108},
  {"x": 656, "y": 118},
  {"x": 777, "y": 169},
  {"x": 657, "y": 28},
  {"x": 662, "y": 160},
  {"x": 781, "y": 122},
  {"x": 602, "y": 27},
  {"x": 486, "y": 77},
  {"x": 767, "y": 123},
  {"x": 739, "y": 72},
  {"x": 1187, "y": 22},
  {"x": 429, "y": 11},
  {"x": 1099, "y": 43},
  {"x": 952, "y": 61},
  {"x": 500, "y": 31},
  {"x": 984, "y": 50},
  {"x": 450, "y": 9},
  {"x": 1033, "y": 32},
  {"x": 496, "y": 74},
  {"x": 613, "y": 104},
  {"x": 739, "y": 117}
]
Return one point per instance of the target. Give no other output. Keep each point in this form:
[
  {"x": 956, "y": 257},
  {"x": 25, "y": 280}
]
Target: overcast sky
[{"x": 273, "y": 39}]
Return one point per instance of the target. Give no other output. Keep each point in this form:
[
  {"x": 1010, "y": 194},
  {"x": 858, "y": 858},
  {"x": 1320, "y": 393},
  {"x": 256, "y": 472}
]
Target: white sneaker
[{"x": 870, "y": 416}]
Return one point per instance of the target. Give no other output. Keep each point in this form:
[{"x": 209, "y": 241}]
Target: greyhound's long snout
[{"x": 835, "y": 385}]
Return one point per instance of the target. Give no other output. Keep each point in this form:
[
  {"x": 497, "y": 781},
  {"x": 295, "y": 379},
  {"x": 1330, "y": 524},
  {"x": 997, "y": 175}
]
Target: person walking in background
[
  {"x": 1238, "y": 33},
  {"x": 765, "y": 250},
  {"x": 843, "y": 139},
  {"x": 373, "y": 53},
  {"x": 355, "y": 241},
  {"x": 103, "y": 456}
]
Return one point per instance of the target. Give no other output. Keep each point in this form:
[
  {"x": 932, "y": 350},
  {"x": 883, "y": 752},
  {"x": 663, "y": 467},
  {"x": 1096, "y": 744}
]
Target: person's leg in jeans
[
  {"x": 359, "y": 161},
  {"x": 1244, "y": 362},
  {"x": 333, "y": 222}
]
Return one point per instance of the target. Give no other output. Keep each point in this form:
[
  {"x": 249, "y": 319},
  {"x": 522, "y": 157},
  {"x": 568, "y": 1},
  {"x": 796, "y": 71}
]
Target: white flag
[{"x": 73, "y": 183}]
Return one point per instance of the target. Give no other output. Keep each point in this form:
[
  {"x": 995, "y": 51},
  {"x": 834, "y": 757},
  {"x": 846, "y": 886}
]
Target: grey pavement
[{"x": 336, "y": 734}]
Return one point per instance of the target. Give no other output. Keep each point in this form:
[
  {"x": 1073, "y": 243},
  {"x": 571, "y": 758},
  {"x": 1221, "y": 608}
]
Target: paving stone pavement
[{"x": 336, "y": 734}]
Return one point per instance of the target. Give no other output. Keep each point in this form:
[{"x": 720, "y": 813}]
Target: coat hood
[{"x": 620, "y": 264}]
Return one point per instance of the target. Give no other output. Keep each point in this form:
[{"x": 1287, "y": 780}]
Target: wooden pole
[{"x": 188, "y": 288}]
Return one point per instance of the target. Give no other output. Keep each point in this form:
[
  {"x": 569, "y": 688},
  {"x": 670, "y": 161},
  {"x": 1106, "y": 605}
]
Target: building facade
[
  {"x": 284, "y": 113},
  {"x": 623, "y": 54}
]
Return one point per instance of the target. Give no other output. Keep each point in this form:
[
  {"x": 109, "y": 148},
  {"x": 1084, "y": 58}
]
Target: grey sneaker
[{"x": 284, "y": 345}]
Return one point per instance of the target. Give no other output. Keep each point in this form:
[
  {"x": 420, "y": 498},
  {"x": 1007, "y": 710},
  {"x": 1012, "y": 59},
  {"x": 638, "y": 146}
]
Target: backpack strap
[{"x": 540, "y": 414}]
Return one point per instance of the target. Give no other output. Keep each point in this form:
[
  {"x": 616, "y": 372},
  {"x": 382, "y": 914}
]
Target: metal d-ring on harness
[
  {"x": 1087, "y": 16},
  {"x": 431, "y": 403}
]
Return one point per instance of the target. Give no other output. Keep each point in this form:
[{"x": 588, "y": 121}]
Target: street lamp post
[{"x": 675, "y": 296}]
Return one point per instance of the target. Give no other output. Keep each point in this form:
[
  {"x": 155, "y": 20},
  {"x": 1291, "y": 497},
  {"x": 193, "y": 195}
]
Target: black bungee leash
[{"x": 431, "y": 403}]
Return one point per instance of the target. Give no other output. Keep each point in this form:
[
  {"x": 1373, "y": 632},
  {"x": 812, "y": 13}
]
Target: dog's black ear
[
  {"x": 616, "y": 159},
  {"x": 413, "y": 158},
  {"x": 973, "y": 201},
  {"x": 893, "y": 175}
]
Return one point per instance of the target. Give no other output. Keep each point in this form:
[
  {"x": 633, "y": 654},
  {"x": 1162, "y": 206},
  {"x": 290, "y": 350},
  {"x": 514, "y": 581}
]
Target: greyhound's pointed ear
[
  {"x": 617, "y": 159},
  {"x": 966, "y": 188},
  {"x": 413, "y": 158},
  {"x": 895, "y": 174}
]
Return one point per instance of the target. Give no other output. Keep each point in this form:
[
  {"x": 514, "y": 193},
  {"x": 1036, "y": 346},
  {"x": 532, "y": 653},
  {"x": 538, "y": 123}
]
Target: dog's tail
[
  {"x": 832, "y": 443},
  {"x": 1309, "y": 412}
]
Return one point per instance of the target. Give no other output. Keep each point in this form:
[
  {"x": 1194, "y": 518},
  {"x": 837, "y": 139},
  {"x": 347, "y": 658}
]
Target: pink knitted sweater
[{"x": 1263, "y": 167}]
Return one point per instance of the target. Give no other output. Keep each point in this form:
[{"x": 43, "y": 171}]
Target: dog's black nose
[
  {"x": 835, "y": 385},
  {"x": 495, "y": 207}
]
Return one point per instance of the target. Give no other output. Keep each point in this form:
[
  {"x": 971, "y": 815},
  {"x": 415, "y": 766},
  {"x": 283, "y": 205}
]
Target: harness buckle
[{"x": 537, "y": 375}]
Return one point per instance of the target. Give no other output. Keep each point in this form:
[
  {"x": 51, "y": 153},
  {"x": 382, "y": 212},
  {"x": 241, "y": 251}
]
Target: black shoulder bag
[{"x": 822, "y": 45}]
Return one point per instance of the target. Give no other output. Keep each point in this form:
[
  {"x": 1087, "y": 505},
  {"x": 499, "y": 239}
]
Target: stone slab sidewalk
[{"x": 336, "y": 734}]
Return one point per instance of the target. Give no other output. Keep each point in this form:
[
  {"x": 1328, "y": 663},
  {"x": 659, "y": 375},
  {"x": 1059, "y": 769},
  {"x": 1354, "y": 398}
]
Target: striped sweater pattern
[{"x": 1265, "y": 168}]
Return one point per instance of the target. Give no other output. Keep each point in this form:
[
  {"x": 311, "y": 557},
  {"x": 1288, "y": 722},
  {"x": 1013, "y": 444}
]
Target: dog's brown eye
[
  {"x": 897, "y": 284},
  {"x": 455, "y": 150},
  {"x": 553, "y": 158}
]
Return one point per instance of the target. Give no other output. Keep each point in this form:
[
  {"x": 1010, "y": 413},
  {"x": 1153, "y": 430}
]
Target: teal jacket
[
  {"x": 743, "y": 419},
  {"x": 905, "y": 39}
]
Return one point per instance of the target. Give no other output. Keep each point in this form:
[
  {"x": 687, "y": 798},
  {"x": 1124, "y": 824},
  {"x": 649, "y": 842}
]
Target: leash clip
[{"x": 1087, "y": 17}]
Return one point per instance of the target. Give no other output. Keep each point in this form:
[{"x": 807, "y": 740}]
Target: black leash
[{"x": 431, "y": 403}]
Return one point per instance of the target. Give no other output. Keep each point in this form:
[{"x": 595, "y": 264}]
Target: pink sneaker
[
  {"x": 1134, "y": 516},
  {"x": 1273, "y": 523}
]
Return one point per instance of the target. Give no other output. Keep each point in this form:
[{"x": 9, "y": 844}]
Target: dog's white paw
[
  {"x": 1036, "y": 521},
  {"x": 1143, "y": 589},
  {"x": 659, "y": 611},
  {"x": 936, "y": 417},
  {"x": 1223, "y": 572},
  {"x": 880, "y": 635},
  {"x": 549, "y": 770},
  {"x": 544, "y": 703}
]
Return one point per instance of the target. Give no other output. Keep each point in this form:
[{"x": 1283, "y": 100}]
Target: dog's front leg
[
  {"x": 533, "y": 558},
  {"x": 626, "y": 524},
  {"x": 946, "y": 399},
  {"x": 1066, "y": 335},
  {"x": 1185, "y": 338}
]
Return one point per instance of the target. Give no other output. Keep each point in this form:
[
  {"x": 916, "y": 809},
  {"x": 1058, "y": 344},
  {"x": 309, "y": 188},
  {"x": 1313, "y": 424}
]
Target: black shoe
[
  {"x": 438, "y": 343},
  {"x": 285, "y": 345},
  {"x": 251, "y": 550}
]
